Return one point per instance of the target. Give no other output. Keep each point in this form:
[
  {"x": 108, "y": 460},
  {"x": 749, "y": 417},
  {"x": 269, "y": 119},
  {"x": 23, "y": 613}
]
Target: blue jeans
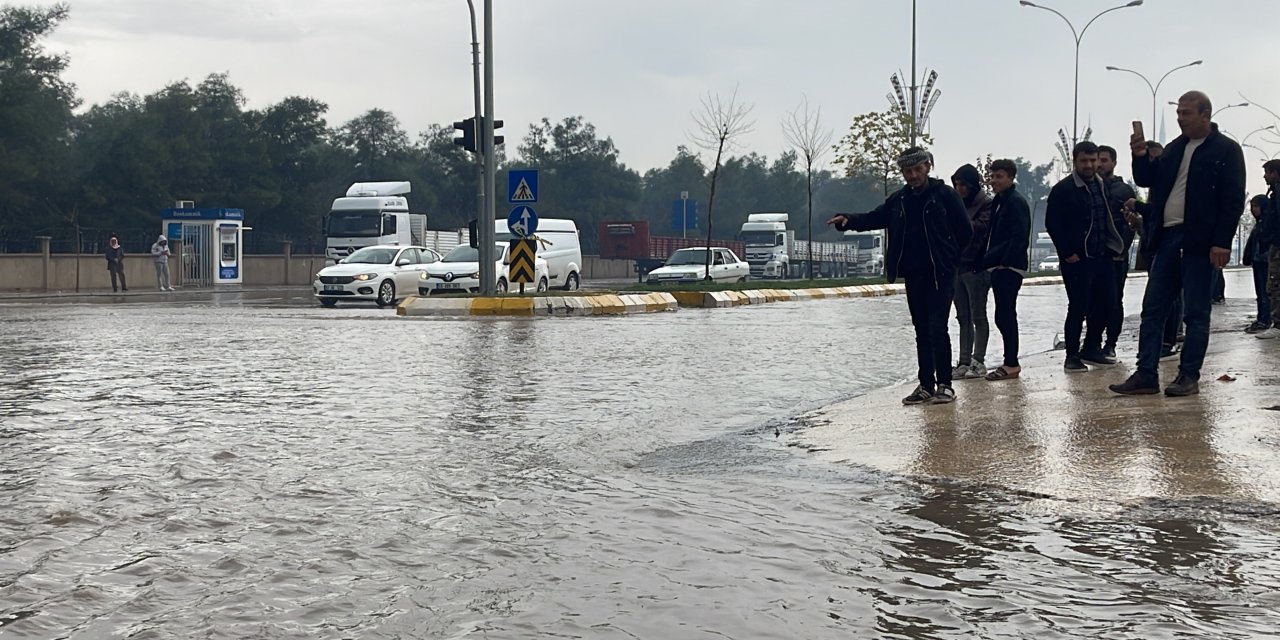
[
  {"x": 1172, "y": 273},
  {"x": 1260, "y": 290}
]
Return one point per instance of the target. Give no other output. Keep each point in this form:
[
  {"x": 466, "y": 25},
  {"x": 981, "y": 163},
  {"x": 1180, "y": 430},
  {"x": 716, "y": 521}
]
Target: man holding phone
[{"x": 1197, "y": 194}]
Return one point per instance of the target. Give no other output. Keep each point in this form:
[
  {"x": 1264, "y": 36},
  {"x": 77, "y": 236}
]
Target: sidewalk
[
  {"x": 1067, "y": 437},
  {"x": 192, "y": 293}
]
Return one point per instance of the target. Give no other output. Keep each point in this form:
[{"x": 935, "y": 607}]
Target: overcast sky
[{"x": 637, "y": 69}]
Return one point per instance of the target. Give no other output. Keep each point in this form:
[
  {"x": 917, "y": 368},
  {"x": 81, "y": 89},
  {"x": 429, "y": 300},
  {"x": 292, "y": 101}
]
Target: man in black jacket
[
  {"x": 1118, "y": 193},
  {"x": 1083, "y": 229},
  {"x": 1197, "y": 194},
  {"x": 115, "y": 263},
  {"x": 1271, "y": 229},
  {"x": 1006, "y": 257},
  {"x": 1257, "y": 254},
  {"x": 927, "y": 227}
]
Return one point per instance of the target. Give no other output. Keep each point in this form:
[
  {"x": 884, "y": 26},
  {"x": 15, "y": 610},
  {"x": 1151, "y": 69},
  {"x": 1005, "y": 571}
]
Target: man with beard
[
  {"x": 927, "y": 228},
  {"x": 1118, "y": 193}
]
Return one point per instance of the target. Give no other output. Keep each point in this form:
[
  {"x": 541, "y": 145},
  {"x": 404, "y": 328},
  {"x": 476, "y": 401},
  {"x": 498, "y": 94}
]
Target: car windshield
[
  {"x": 687, "y": 256},
  {"x": 1051, "y": 259},
  {"x": 758, "y": 238},
  {"x": 372, "y": 255},
  {"x": 355, "y": 224},
  {"x": 862, "y": 241},
  {"x": 465, "y": 253}
]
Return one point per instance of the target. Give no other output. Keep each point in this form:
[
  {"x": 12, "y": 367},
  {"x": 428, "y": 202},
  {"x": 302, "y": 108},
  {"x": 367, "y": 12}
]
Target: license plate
[
  {"x": 449, "y": 285},
  {"x": 333, "y": 287}
]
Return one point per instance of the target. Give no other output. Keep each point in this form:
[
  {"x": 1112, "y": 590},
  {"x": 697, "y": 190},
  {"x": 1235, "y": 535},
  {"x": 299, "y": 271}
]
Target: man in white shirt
[{"x": 1197, "y": 195}]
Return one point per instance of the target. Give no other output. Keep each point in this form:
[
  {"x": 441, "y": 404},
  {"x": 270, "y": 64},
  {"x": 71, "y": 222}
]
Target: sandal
[{"x": 1002, "y": 373}]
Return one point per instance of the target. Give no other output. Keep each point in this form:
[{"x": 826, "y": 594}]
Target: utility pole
[
  {"x": 915, "y": 84},
  {"x": 481, "y": 198},
  {"x": 484, "y": 226}
]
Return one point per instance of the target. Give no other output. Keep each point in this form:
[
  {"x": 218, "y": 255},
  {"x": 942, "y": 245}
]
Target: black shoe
[
  {"x": 945, "y": 395},
  {"x": 1169, "y": 351},
  {"x": 920, "y": 396},
  {"x": 1097, "y": 358},
  {"x": 114, "y": 290},
  {"x": 1110, "y": 352},
  {"x": 1182, "y": 386},
  {"x": 124, "y": 288},
  {"x": 1181, "y": 337},
  {"x": 1136, "y": 385},
  {"x": 1074, "y": 365}
]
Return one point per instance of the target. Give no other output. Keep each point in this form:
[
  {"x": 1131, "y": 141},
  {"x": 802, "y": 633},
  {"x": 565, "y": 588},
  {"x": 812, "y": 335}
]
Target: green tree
[
  {"x": 872, "y": 146},
  {"x": 376, "y": 141}
]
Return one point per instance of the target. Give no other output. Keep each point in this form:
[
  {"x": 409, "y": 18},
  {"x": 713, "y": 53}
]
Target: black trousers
[
  {"x": 1005, "y": 284},
  {"x": 1091, "y": 292},
  {"x": 1116, "y": 319},
  {"x": 118, "y": 274},
  {"x": 929, "y": 299}
]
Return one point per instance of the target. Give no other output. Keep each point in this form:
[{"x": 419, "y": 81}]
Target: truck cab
[
  {"x": 371, "y": 213},
  {"x": 868, "y": 251},
  {"x": 768, "y": 245}
]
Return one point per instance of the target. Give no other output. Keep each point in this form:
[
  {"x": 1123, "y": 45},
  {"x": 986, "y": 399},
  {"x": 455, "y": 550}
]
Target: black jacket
[
  {"x": 1270, "y": 221},
  {"x": 1255, "y": 245},
  {"x": 979, "y": 212},
  {"x": 1118, "y": 193},
  {"x": 946, "y": 226},
  {"x": 1010, "y": 232},
  {"x": 115, "y": 258},
  {"x": 1215, "y": 192},
  {"x": 1069, "y": 220}
]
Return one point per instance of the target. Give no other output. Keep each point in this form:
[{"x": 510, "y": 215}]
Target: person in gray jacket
[
  {"x": 973, "y": 284},
  {"x": 160, "y": 252}
]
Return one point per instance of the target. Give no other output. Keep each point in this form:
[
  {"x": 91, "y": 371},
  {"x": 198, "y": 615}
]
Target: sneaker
[
  {"x": 1137, "y": 385},
  {"x": 975, "y": 371},
  {"x": 1182, "y": 386},
  {"x": 1254, "y": 327},
  {"x": 1097, "y": 358},
  {"x": 1268, "y": 334},
  {"x": 1181, "y": 338},
  {"x": 1074, "y": 365},
  {"x": 945, "y": 395},
  {"x": 920, "y": 396},
  {"x": 1169, "y": 351},
  {"x": 960, "y": 371},
  {"x": 1110, "y": 352}
]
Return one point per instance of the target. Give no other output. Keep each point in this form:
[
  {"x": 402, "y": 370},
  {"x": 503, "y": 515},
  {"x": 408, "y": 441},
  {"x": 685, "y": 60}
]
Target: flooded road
[{"x": 255, "y": 467}]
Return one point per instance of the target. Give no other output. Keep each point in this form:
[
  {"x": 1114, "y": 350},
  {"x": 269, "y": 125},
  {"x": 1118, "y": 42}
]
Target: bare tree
[
  {"x": 719, "y": 123},
  {"x": 803, "y": 130}
]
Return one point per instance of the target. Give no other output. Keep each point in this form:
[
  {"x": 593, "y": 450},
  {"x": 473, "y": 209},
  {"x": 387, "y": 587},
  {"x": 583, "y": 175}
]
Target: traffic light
[
  {"x": 497, "y": 139},
  {"x": 468, "y": 139},
  {"x": 473, "y": 234}
]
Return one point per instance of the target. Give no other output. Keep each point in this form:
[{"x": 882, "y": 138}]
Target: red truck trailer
[{"x": 630, "y": 240}]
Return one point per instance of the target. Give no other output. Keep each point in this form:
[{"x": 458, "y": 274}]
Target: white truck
[
  {"x": 377, "y": 213},
  {"x": 868, "y": 247},
  {"x": 773, "y": 251}
]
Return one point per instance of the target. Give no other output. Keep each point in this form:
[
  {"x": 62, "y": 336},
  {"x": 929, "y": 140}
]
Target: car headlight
[
  {"x": 316, "y": 277},
  {"x": 365, "y": 277},
  {"x": 424, "y": 276},
  {"x": 474, "y": 276}
]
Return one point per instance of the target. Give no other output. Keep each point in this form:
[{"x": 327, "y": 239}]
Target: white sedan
[
  {"x": 459, "y": 272},
  {"x": 379, "y": 273},
  {"x": 1050, "y": 264},
  {"x": 690, "y": 266}
]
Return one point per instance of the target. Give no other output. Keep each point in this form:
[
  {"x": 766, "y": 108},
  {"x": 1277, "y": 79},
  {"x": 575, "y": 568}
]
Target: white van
[{"x": 559, "y": 246}]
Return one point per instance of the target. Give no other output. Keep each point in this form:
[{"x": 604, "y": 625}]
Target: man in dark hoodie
[
  {"x": 115, "y": 263},
  {"x": 927, "y": 228},
  {"x": 972, "y": 282},
  {"x": 1197, "y": 195},
  {"x": 1007, "y": 258},
  {"x": 1118, "y": 193},
  {"x": 1080, "y": 223}
]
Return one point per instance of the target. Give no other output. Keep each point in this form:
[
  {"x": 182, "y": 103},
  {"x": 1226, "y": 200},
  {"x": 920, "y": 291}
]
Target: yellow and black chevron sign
[{"x": 522, "y": 255}]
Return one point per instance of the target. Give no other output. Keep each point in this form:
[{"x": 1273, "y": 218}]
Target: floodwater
[{"x": 257, "y": 467}]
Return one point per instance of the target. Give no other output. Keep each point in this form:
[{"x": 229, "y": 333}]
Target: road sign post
[{"x": 523, "y": 255}]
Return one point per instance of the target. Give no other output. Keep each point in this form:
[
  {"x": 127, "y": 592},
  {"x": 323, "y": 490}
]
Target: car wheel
[
  {"x": 502, "y": 285},
  {"x": 542, "y": 285},
  {"x": 742, "y": 279},
  {"x": 572, "y": 283},
  {"x": 386, "y": 294},
  {"x": 328, "y": 302}
]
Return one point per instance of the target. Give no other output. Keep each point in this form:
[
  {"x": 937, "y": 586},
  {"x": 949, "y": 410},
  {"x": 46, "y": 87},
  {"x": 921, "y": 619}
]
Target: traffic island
[{"x": 511, "y": 306}]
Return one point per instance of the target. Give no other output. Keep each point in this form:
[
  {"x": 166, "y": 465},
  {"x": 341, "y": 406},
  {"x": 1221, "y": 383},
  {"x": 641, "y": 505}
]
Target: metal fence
[{"x": 139, "y": 240}]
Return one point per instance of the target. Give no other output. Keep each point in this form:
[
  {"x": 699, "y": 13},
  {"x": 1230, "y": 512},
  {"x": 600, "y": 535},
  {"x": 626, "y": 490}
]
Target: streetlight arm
[
  {"x": 1166, "y": 75},
  {"x": 1074, "y": 34},
  {"x": 1144, "y": 78},
  {"x": 1095, "y": 18}
]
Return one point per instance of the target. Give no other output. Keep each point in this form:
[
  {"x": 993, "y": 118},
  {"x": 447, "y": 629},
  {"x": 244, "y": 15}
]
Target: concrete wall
[{"x": 26, "y": 272}]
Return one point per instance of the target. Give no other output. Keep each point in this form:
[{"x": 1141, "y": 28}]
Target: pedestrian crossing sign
[{"x": 522, "y": 186}]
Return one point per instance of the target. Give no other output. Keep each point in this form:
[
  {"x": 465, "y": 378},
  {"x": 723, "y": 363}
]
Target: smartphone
[{"x": 1137, "y": 130}]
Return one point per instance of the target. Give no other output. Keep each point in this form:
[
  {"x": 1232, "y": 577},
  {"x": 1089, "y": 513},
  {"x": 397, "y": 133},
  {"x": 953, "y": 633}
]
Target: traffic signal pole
[
  {"x": 481, "y": 199},
  {"x": 488, "y": 276}
]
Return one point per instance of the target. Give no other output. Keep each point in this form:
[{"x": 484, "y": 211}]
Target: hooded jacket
[
  {"x": 946, "y": 228},
  {"x": 115, "y": 258},
  {"x": 1215, "y": 192},
  {"x": 160, "y": 251},
  {"x": 978, "y": 206}
]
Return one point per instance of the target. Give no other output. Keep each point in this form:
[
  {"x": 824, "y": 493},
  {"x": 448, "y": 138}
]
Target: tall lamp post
[
  {"x": 1155, "y": 89},
  {"x": 1078, "y": 35}
]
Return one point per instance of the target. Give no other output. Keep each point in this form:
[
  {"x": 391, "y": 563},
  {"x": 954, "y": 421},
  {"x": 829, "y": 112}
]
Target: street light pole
[
  {"x": 1155, "y": 89},
  {"x": 1078, "y": 36},
  {"x": 915, "y": 84},
  {"x": 488, "y": 271},
  {"x": 475, "y": 83}
]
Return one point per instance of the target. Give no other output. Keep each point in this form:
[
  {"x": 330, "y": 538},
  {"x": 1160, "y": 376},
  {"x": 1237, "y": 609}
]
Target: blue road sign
[
  {"x": 522, "y": 186},
  {"x": 684, "y": 214},
  {"x": 522, "y": 222}
]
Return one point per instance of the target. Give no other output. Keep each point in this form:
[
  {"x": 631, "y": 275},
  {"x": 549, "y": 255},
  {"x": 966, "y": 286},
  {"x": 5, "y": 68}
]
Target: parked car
[
  {"x": 1050, "y": 263},
  {"x": 460, "y": 271},
  {"x": 377, "y": 273},
  {"x": 559, "y": 244},
  {"x": 689, "y": 265}
]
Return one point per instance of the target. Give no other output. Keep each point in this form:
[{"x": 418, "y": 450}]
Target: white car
[
  {"x": 377, "y": 273},
  {"x": 1050, "y": 263},
  {"x": 689, "y": 266},
  {"x": 459, "y": 271}
]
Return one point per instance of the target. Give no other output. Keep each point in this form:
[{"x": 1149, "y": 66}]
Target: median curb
[
  {"x": 591, "y": 305},
  {"x": 725, "y": 299}
]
